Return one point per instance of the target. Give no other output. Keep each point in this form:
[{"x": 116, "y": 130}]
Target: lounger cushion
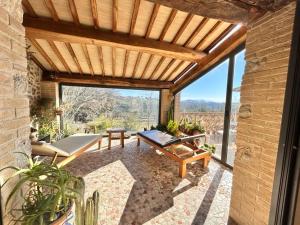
[{"x": 46, "y": 149}]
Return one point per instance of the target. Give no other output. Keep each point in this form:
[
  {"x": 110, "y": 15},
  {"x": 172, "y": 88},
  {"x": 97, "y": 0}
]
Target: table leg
[
  {"x": 182, "y": 169},
  {"x": 122, "y": 139},
  {"x": 205, "y": 162},
  {"x": 109, "y": 140},
  {"x": 138, "y": 141},
  {"x": 99, "y": 144}
]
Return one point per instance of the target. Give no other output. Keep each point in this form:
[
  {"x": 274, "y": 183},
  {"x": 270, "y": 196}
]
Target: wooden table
[
  {"x": 167, "y": 144},
  {"x": 111, "y": 131}
]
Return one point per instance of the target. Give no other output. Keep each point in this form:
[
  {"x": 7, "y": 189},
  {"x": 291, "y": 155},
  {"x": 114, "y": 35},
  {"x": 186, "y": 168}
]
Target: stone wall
[
  {"x": 34, "y": 82},
  {"x": 262, "y": 95},
  {"x": 14, "y": 103}
]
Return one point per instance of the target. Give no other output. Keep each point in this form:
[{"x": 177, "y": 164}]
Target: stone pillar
[
  {"x": 262, "y": 96},
  {"x": 14, "y": 103},
  {"x": 177, "y": 107},
  {"x": 166, "y": 99}
]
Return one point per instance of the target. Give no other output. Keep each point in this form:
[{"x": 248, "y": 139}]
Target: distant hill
[{"x": 203, "y": 106}]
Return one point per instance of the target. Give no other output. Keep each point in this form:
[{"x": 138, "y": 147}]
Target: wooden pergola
[{"x": 130, "y": 43}]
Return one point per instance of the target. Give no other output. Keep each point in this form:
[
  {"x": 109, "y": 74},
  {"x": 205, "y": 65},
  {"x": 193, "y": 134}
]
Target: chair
[{"x": 70, "y": 147}]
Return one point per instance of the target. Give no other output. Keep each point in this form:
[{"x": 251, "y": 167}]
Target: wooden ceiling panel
[
  {"x": 132, "y": 57},
  {"x": 152, "y": 66},
  {"x": 142, "y": 64},
  {"x": 125, "y": 12},
  {"x": 66, "y": 55},
  {"x": 84, "y": 10},
  {"x": 77, "y": 48},
  {"x": 143, "y": 18},
  {"x": 47, "y": 48},
  {"x": 162, "y": 68},
  {"x": 40, "y": 9},
  {"x": 105, "y": 14},
  {"x": 175, "y": 26},
  {"x": 214, "y": 35},
  {"x": 160, "y": 22},
  {"x": 63, "y": 10},
  {"x": 170, "y": 70},
  {"x": 202, "y": 33},
  {"x": 178, "y": 70},
  {"x": 107, "y": 59},
  {"x": 39, "y": 57},
  {"x": 196, "y": 20},
  {"x": 93, "y": 52},
  {"x": 120, "y": 57}
]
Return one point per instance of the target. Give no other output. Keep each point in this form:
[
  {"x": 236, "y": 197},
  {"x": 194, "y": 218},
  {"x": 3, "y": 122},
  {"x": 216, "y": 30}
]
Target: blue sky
[
  {"x": 212, "y": 86},
  {"x": 143, "y": 93}
]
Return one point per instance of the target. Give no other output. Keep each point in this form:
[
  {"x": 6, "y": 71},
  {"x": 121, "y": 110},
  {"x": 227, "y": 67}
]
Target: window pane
[
  {"x": 239, "y": 68},
  {"x": 95, "y": 109},
  {"x": 204, "y": 101}
]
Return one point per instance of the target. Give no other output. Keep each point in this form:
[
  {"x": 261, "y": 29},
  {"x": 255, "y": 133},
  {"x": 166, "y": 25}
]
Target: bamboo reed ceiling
[{"x": 118, "y": 38}]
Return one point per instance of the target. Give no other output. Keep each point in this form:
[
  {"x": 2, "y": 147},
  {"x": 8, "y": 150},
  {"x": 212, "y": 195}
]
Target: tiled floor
[{"x": 139, "y": 186}]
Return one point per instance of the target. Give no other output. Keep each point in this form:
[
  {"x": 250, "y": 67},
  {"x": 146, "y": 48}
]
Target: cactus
[
  {"x": 89, "y": 217},
  {"x": 96, "y": 206},
  {"x": 79, "y": 202}
]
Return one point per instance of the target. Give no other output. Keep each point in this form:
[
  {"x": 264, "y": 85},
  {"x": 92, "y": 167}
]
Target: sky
[{"x": 212, "y": 86}]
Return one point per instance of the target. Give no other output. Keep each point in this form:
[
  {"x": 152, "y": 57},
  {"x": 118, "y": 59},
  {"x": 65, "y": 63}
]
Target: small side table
[{"x": 111, "y": 131}]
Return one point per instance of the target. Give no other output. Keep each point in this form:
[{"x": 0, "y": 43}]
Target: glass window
[
  {"x": 94, "y": 109},
  {"x": 204, "y": 101}
]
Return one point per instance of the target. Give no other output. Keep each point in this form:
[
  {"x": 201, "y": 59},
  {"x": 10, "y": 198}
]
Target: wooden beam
[
  {"x": 81, "y": 79},
  {"x": 59, "y": 55},
  {"x": 174, "y": 70},
  {"x": 183, "y": 27},
  {"x": 168, "y": 24},
  {"x": 147, "y": 66},
  {"x": 41, "y": 28},
  {"x": 100, "y": 53},
  {"x": 134, "y": 15},
  {"x": 231, "y": 43},
  {"x": 196, "y": 31},
  {"x": 152, "y": 20},
  {"x": 113, "y": 54},
  {"x": 95, "y": 13},
  {"x": 73, "y": 55},
  {"x": 29, "y": 8},
  {"x": 228, "y": 11},
  {"x": 44, "y": 54},
  {"x": 125, "y": 62},
  {"x": 74, "y": 13},
  {"x": 166, "y": 69},
  {"x": 51, "y": 8},
  {"x": 137, "y": 62},
  {"x": 200, "y": 43},
  {"x": 157, "y": 67},
  {"x": 87, "y": 57},
  {"x": 115, "y": 15}
]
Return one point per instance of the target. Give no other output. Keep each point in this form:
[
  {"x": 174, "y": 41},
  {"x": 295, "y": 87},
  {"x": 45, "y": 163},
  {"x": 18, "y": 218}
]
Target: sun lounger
[{"x": 70, "y": 147}]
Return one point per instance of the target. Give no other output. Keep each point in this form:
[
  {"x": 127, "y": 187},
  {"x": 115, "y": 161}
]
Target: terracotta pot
[{"x": 67, "y": 218}]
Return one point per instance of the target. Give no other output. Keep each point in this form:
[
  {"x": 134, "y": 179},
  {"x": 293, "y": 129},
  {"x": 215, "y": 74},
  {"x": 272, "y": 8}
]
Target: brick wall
[
  {"x": 262, "y": 94},
  {"x": 166, "y": 98},
  {"x": 14, "y": 103}
]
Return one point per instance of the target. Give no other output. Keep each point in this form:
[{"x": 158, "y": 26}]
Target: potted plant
[
  {"x": 49, "y": 194},
  {"x": 210, "y": 148},
  {"x": 173, "y": 127}
]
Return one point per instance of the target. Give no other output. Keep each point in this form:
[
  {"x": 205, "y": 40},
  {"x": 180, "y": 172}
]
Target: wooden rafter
[
  {"x": 95, "y": 13},
  {"x": 162, "y": 59},
  {"x": 34, "y": 59},
  {"x": 186, "y": 69},
  {"x": 40, "y": 28},
  {"x": 216, "y": 26},
  {"x": 44, "y": 54},
  {"x": 113, "y": 54},
  {"x": 105, "y": 80},
  {"x": 74, "y": 12},
  {"x": 125, "y": 62},
  {"x": 59, "y": 55},
  {"x": 88, "y": 59},
  {"x": 166, "y": 69},
  {"x": 50, "y": 6},
  {"x": 115, "y": 15},
  {"x": 168, "y": 24},
  {"x": 73, "y": 55},
  {"x": 137, "y": 62},
  {"x": 147, "y": 66},
  {"x": 29, "y": 8},
  {"x": 134, "y": 15},
  {"x": 183, "y": 27},
  {"x": 152, "y": 20},
  {"x": 175, "y": 70},
  {"x": 213, "y": 57},
  {"x": 196, "y": 31},
  {"x": 100, "y": 53}
]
